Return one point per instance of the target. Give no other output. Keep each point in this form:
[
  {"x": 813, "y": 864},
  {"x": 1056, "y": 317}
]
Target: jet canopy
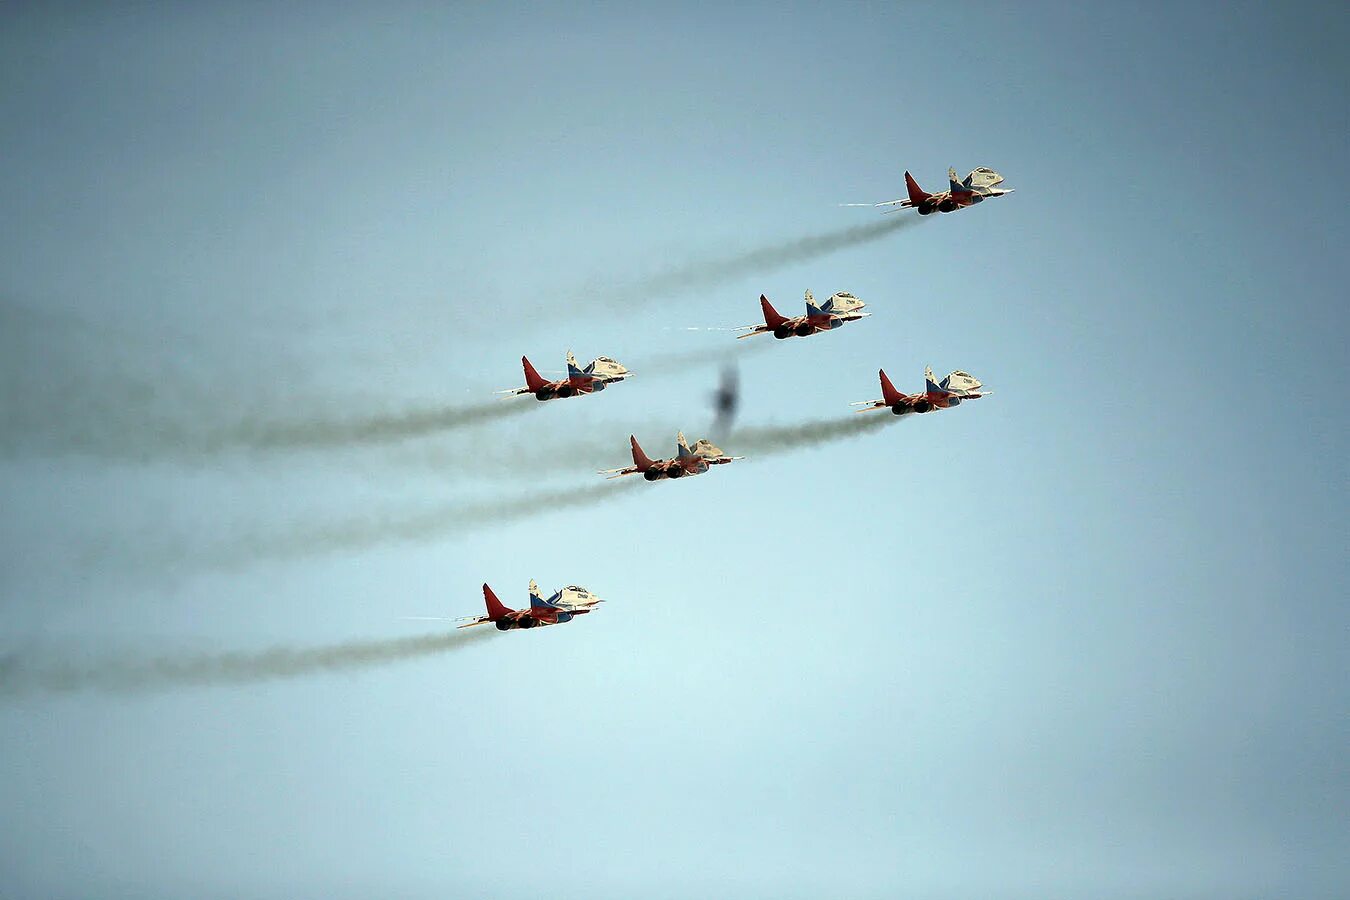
[
  {"x": 606, "y": 367},
  {"x": 960, "y": 382},
  {"x": 982, "y": 180},
  {"x": 706, "y": 449},
  {"x": 575, "y": 596},
  {"x": 842, "y": 303}
]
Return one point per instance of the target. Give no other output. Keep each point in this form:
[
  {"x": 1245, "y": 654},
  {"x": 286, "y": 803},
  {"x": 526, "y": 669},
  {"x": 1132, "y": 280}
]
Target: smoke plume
[
  {"x": 767, "y": 439},
  {"x": 321, "y": 433},
  {"x": 423, "y": 525},
  {"x": 709, "y": 273},
  {"x": 18, "y": 676}
]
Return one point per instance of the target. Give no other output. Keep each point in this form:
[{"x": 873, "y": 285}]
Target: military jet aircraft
[
  {"x": 598, "y": 373},
  {"x": 978, "y": 186},
  {"x": 565, "y": 605},
  {"x": 829, "y": 315},
  {"x": 690, "y": 461},
  {"x": 948, "y": 392}
]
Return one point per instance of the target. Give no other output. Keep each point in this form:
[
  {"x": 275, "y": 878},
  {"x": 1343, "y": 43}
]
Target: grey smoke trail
[
  {"x": 379, "y": 428},
  {"x": 134, "y": 675},
  {"x": 65, "y": 390},
  {"x": 725, "y": 352},
  {"x": 767, "y": 439},
  {"x": 708, "y": 273},
  {"x": 429, "y": 524},
  {"x": 128, "y": 432},
  {"x": 572, "y": 452}
]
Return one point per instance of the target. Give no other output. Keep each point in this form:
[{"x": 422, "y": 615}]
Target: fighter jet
[
  {"x": 978, "y": 186},
  {"x": 690, "y": 461},
  {"x": 598, "y": 373},
  {"x": 948, "y": 392},
  {"x": 829, "y": 315},
  {"x": 565, "y": 605}
]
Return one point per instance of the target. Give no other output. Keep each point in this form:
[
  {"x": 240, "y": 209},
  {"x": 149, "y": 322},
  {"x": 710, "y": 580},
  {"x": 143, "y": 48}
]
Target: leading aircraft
[
  {"x": 978, "y": 186},
  {"x": 690, "y": 461},
  {"x": 565, "y": 605},
  {"x": 598, "y": 373},
  {"x": 950, "y": 391},
  {"x": 837, "y": 310}
]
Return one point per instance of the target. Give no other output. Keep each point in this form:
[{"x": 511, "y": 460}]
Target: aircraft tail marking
[
  {"x": 929, "y": 384},
  {"x": 641, "y": 460},
  {"x": 771, "y": 315},
  {"x": 495, "y": 608},
  {"x": 888, "y": 391},
  {"x": 916, "y": 193},
  {"x": 533, "y": 381}
]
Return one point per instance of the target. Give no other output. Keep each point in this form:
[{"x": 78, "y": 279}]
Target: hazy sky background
[{"x": 1084, "y": 638}]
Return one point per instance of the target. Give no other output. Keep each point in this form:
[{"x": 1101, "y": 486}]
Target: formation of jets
[{"x": 957, "y": 387}]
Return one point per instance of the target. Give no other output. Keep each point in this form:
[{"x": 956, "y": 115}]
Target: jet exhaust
[
  {"x": 767, "y": 439},
  {"x": 135, "y": 675},
  {"x": 429, "y": 524},
  {"x": 709, "y": 273}
]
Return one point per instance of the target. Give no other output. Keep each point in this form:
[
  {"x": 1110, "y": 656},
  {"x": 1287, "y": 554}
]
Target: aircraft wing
[
  {"x": 483, "y": 621},
  {"x": 618, "y": 473},
  {"x": 904, "y": 201}
]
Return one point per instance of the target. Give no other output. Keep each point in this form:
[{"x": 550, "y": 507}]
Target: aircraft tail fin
[
  {"x": 683, "y": 444},
  {"x": 930, "y": 384},
  {"x": 771, "y": 315},
  {"x": 917, "y": 194},
  {"x": 573, "y": 370},
  {"x": 537, "y": 600},
  {"x": 495, "y": 608},
  {"x": 812, "y": 308},
  {"x": 954, "y": 185},
  {"x": 888, "y": 392},
  {"x": 641, "y": 460},
  {"x": 533, "y": 380}
]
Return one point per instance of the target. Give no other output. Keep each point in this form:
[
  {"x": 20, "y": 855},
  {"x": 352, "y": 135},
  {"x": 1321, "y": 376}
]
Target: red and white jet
[
  {"x": 691, "y": 461},
  {"x": 950, "y": 391},
  {"x": 598, "y": 373},
  {"x": 829, "y": 315},
  {"x": 977, "y": 187},
  {"x": 565, "y": 605}
]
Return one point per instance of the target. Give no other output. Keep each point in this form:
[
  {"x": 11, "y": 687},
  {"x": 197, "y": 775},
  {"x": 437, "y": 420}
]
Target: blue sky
[{"x": 1085, "y": 637}]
